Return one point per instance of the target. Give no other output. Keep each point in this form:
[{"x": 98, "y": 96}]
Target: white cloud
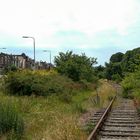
[{"x": 43, "y": 18}]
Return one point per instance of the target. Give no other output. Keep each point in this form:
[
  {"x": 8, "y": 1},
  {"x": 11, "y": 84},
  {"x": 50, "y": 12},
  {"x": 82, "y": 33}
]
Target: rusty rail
[{"x": 94, "y": 133}]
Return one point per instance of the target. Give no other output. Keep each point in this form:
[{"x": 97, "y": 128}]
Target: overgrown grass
[
  {"x": 11, "y": 121},
  {"x": 131, "y": 87},
  {"x": 103, "y": 94},
  {"x": 56, "y": 117},
  {"x": 50, "y": 117}
]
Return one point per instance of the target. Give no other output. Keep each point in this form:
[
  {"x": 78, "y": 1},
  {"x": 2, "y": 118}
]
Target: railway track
[{"x": 118, "y": 122}]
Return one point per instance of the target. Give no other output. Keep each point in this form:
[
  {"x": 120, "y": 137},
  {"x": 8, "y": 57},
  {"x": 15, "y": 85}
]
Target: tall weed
[{"x": 10, "y": 120}]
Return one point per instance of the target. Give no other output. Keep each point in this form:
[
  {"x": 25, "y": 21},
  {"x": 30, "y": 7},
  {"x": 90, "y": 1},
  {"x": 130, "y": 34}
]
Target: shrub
[
  {"x": 117, "y": 78},
  {"x": 28, "y": 83},
  {"x": 10, "y": 120},
  {"x": 131, "y": 85},
  {"x": 9, "y": 68}
]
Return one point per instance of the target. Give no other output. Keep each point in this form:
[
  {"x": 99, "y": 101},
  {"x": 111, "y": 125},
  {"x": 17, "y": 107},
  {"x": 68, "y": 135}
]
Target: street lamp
[
  {"x": 50, "y": 54},
  {"x": 33, "y": 45}
]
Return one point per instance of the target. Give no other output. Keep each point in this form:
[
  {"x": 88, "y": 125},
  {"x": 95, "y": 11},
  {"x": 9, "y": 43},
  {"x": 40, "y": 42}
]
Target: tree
[
  {"x": 113, "y": 70},
  {"x": 131, "y": 60},
  {"x": 120, "y": 64},
  {"x": 117, "y": 57},
  {"x": 76, "y": 67},
  {"x": 100, "y": 71}
]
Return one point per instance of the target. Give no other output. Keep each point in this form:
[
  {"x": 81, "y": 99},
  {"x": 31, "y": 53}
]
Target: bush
[
  {"x": 117, "y": 78},
  {"x": 10, "y": 120},
  {"x": 131, "y": 85},
  {"x": 36, "y": 83},
  {"x": 9, "y": 68}
]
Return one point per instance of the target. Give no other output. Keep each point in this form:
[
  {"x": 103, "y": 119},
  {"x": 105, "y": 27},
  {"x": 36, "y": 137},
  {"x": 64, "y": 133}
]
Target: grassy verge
[
  {"x": 49, "y": 118},
  {"x": 11, "y": 120}
]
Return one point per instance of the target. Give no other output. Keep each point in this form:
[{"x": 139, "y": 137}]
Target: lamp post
[{"x": 33, "y": 46}]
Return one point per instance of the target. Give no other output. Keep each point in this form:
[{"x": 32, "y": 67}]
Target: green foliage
[
  {"x": 131, "y": 86},
  {"x": 9, "y": 68},
  {"x": 89, "y": 127},
  {"x": 100, "y": 71},
  {"x": 131, "y": 60},
  {"x": 35, "y": 83},
  {"x": 116, "y": 57},
  {"x": 120, "y": 64},
  {"x": 87, "y": 85},
  {"x": 76, "y": 67},
  {"x": 48, "y": 118},
  {"x": 117, "y": 78},
  {"x": 43, "y": 84},
  {"x": 66, "y": 97},
  {"x": 10, "y": 120},
  {"x": 113, "y": 71},
  {"x": 77, "y": 107}
]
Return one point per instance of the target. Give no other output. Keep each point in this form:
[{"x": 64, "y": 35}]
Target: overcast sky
[{"x": 97, "y": 27}]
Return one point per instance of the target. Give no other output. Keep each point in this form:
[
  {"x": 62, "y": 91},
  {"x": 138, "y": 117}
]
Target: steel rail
[{"x": 95, "y": 131}]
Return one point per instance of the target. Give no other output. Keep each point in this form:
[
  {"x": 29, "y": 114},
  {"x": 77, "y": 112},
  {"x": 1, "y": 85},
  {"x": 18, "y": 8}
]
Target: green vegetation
[
  {"x": 100, "y": 99},
  {"x": 51, "y": 103},
  {"x": 53, "y": 118},
  {"x": 118, "y": 57},
  {"x": 125, "y": 68},
  {"x": 131, "y": 60},
  {"x": 36, "y": 83},
  {"x": 9, "y": 69},
  {"x": 100, "y": 71},
  {"x": 11, "y": 121},
  {"x": 131, "y": 85},
  {"x": 76, "y": 67},
  {"x": 121, "y": 64},
  {"x": 48, "y": 118}
]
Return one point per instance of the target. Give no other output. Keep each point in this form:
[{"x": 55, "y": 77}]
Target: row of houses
[{"x": 21, "y": 61}]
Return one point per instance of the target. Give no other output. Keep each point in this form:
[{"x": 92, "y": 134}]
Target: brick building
[{"x": 20, "y": 61}]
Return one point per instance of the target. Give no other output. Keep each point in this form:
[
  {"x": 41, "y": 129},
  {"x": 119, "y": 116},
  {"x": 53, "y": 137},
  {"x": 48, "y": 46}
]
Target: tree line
[
  {"x": 123, "y": 68},
  {"x": 120, "y": 65}
]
